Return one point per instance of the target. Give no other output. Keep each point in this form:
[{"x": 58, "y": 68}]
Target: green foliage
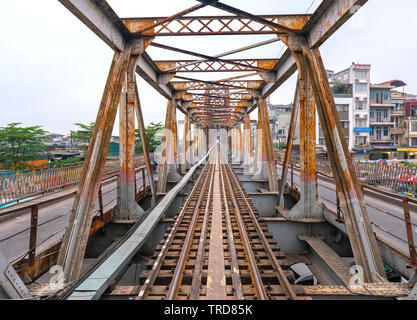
[
  {"x": 18, "y": 144},
  {"x": 408, "y": 164},
  {"x": 83, "y": 135},
  {"x": 154, "y": 140},
  {"x": 65, "y": 162},
  {"x": 282, "y": 145}
]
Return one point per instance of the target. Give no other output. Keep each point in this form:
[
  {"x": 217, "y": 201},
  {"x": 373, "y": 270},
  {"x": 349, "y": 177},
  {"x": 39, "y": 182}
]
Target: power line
[{"x": 310, "y": 5}]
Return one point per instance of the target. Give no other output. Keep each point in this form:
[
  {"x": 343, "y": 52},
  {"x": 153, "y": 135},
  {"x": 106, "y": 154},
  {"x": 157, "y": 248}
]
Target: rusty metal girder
[
  {"x": 213, "y": 25},
  {"x": 76, "y": 236},
  {"x": 225, "y": 65},
  {"x": 351, "y": 196}
]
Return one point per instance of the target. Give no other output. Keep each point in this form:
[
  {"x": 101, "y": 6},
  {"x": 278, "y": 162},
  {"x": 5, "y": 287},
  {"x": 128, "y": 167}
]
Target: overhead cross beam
[
  {"x": 248, "y": 15},
  {"x": 215, "y": 25}
]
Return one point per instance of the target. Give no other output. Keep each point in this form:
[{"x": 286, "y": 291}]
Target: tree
[
  {"x": 20, "y": 144},
  {"x": 83, "y": 135},
  {"x": 151, "y": 135}
]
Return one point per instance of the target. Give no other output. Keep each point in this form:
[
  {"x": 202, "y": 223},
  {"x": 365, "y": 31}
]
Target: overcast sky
[{"x": 53, "y": 68}]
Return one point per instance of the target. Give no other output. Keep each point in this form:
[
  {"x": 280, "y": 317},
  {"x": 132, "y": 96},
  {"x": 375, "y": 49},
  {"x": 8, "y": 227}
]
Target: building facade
[{"x": 351, "y": 90}]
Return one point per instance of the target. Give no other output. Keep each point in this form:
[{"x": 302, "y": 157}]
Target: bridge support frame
[
  {"x": 76, "y": 237},
  {"x": 290, "y": 141},
  {"x": 129, "y": 210},
  {"x": 167, "y": 162},
  {"x": 307, "y": 209},
  {"x": 352, "y": 202},
  {"x": 145, "y": 145},
  {"x": 261, "y": 168},
  {"x": 267, "y": 142}
]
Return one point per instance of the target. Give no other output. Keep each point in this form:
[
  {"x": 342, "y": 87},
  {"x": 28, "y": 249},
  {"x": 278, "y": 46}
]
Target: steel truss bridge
[{"x": 220, "y": 222}]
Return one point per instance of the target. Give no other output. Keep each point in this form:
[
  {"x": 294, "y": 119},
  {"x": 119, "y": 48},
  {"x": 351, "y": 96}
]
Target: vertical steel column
[
  {"x": 307, "y": 208},
  {"x": 128, "y": 208},
  {"x": 145, "y": 146},
  {"x": 76, "y": 235},
  {"x": 185, "y": 164},
  {"x": 261, "y": 172},
  {"x": 235, "y": 145},
  {"x": 240, "y": 142},
  {"x": 33, "y": 235},
  {"x": 195, "y": 142},
  {"x": 352, "y": 202},
  {"x": 269, "y": 150},
  {"x": 246, "y": 140},
  {"x": 167, "y": 163},
  {"x": 290, "y": 140}
]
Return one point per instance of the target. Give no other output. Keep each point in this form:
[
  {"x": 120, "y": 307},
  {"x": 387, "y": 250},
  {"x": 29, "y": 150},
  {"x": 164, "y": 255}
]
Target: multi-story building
[
  {"x": 410, "y": 106},
  {"x": 380, "y": 117},
  {"x": 279, "y": 118},
  {"x": 351, "y": 94}
]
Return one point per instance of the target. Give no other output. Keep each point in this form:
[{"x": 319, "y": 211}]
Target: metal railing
[
  {"x": 395, "y": 177},
  {"x": 17, "y": 186},
  {"x": 27, "y": 257}
]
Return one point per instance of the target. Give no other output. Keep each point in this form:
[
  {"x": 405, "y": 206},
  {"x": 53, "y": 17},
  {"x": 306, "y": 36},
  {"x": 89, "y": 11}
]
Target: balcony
[
  {"x": 361, "y": 146},
  {"x": 381, "y": 121},
  {"x": 398, "y": 130},
  {"x": 397, "y": 113}
]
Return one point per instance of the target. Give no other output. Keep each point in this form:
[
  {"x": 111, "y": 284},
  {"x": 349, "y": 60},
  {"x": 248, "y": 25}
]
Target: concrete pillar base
[
  {"x": 128, "y": 208},
  {"x": 262, "y": 172},
  {"x": 173, "y": 175}
]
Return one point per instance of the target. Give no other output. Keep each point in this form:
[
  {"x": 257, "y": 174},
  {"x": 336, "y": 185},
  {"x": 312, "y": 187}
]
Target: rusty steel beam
[
  {"x": 326, "y": 20},
  {"x": 129, "y": 210},
  {"x": 307, "y": 208},
  {"x": 145, "y": 145},
  {"x": 101, "y": 19},
  {"x": 213, "y": 25},
  {"x": 148, "y": 70},
  {"x": 351, "y": 196},
  {"x": 195, "y": 84},
  {"x": 290, "y": 141},
  {"x": 330, "y": 16},
  {"x": 247, "y": 15},
  {"x": 269, "y": 150},
  {"x": 252, "y": 46},
  {"x": 217, "y": 65},
  {"x": 76, "y": 236},
  {"x": 210, "y": 58},
  {"x": 173, "y": 17}
]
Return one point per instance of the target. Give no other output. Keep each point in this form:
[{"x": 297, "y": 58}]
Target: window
[
  {"x": 361, "y": 74},
  {"x": 385, "y": 131},
  {"x": 371, "y": 113},
  {"x": 361, "y": 87},
  {"x": 360, "y": 140},
  {"x": 372, "y": 95},
  {"x": 345, "y": 124},
  {"x": 321, "y": 141},
  {"x": 360, "y": 123},
  {"x": 385, "y": 95},
  {"x": 414, "y": 126},
  {"x": 360, "y": 105},
  {"x": 414, "y": 141},
  {"x": 385, "y": 114},
  {"x": 342, "y": 107},
  {"x": 345, "y": 76}
]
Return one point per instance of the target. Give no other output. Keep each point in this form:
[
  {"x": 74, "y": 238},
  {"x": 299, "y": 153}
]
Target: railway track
[{"x": 217, "y": 249}]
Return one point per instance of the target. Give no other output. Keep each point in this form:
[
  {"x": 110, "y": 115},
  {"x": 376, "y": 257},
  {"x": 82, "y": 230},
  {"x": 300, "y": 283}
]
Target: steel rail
[
  {"x": 164, "y": 250},
  {"x": 253, "y": 268},
  {"x": 195, "y": 284},
  {"x": 237, "y": 282},
  {"x": 179, "y": 269},
  {"x": 286, "y": 286}
]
